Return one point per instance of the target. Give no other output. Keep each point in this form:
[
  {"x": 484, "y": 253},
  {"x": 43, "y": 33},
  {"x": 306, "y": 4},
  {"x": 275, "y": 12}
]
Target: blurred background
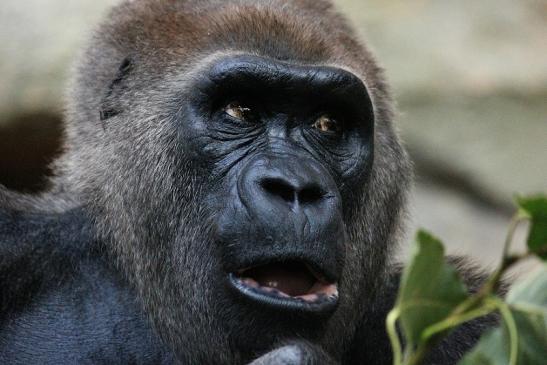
[{"x": 470, "y": 78}]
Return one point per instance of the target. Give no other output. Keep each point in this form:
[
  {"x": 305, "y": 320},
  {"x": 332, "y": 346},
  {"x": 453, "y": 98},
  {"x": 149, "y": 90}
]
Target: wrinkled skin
[{"x": 208, "y": 141}]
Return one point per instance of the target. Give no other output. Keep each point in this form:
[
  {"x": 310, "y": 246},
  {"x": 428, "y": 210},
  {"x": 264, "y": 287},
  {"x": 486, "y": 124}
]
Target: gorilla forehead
[
  {"x": 177, "y": 33},
  {"x": 278, "y": 26}
]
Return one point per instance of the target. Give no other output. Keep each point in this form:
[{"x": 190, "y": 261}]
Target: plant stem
[
  {"x": 455, "y": 320},
  {"x": 511, "y": 328},
  {"x": 391, "y": 326}
]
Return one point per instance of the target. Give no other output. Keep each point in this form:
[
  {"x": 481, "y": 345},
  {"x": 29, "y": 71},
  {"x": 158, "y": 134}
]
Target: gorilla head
[{"x": 239, "y": 160}]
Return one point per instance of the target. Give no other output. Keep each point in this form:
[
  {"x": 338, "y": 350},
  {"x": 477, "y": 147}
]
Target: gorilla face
[
  {"x": 249, "y": 189},
  {"x": 280, "y": 140},
  {"x": 238, "y": 199},
  {"x": 265, "y": 157}
]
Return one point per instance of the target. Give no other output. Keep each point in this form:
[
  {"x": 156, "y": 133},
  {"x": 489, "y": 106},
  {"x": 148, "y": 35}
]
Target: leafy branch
[{"x": 433, "y": 300}]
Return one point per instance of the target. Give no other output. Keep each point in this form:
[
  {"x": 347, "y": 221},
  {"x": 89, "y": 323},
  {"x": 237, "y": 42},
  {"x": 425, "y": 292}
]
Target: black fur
[
  {"x": 108, "y": 108},
  {"x": 128, "y": 257}
]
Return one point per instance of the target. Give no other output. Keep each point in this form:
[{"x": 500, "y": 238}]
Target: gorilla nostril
[
  {"x": 310, "y": 194},
  {"x": 279, "y": 188}
]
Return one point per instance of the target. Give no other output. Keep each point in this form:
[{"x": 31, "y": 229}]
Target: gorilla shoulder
[{"x": 60, "y": 302}]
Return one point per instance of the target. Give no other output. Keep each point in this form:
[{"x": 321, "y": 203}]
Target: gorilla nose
[
  {"x": 281, "y": 185},
  {"x": 292, "y": 191}
]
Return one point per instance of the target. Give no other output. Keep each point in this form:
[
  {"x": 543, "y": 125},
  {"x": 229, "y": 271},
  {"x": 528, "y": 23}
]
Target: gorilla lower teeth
[
  {"x": 317, "y": 291},
  {"x": 272, "y": 284},
  {"x": 250, "y": 282}
]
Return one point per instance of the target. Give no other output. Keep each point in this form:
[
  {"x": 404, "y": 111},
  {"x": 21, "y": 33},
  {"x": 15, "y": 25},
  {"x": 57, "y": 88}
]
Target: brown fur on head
[{"x": 126, "y": 161}]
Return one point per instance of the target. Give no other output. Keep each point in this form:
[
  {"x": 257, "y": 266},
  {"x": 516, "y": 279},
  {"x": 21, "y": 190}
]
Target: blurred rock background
[{"x": 470, "y": 78}]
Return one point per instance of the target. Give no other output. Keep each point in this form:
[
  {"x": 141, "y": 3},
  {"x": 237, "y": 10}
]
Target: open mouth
[{"x": 291, "y": 285}]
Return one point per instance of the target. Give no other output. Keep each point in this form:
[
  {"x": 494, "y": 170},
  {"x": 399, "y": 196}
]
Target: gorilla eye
[
  {"x": 237, "y": 111},
  {"x": 326, "y": 124}
]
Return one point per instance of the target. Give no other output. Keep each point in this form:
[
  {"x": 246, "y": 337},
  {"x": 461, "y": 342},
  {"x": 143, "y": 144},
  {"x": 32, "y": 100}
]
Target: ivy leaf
[
  {"x": 430, "y": 288},
  {"x": 535, "y": 207},
  {"x": 492, "y": 349},
  {"x": 528, "y": 305}
]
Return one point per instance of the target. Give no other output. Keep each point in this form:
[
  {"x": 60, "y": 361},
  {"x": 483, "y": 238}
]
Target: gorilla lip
[{"x": 291, "y": 284}]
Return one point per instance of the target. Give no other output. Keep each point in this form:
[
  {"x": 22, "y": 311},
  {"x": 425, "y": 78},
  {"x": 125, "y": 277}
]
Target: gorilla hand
[{"x": 296, "y": 353}]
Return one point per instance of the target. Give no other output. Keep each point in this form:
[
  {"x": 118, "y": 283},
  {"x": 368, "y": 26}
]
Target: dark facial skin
[
  {"x": 231, "y": 191},
  {"x": 280, "y": 141}
]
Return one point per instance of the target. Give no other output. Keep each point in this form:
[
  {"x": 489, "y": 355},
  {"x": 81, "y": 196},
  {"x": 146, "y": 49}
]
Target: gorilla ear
[{"x": 109, "y": 105}]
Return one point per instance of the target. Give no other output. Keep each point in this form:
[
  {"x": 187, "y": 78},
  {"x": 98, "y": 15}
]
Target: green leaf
[
  {"x": 493, "y": 349},
  {"x": 430, "y": 288},
  {"x": 528, "y": 304},
  {"x": 530, "y": 292},
  {"x": 536, "y": 208}
]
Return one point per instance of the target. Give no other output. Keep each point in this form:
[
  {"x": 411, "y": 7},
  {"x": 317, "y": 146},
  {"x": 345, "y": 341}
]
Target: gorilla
[{"x": 231, "y": 191}]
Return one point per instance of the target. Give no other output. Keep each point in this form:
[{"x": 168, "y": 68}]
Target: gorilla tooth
[{"x": 250, "y": 282}]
